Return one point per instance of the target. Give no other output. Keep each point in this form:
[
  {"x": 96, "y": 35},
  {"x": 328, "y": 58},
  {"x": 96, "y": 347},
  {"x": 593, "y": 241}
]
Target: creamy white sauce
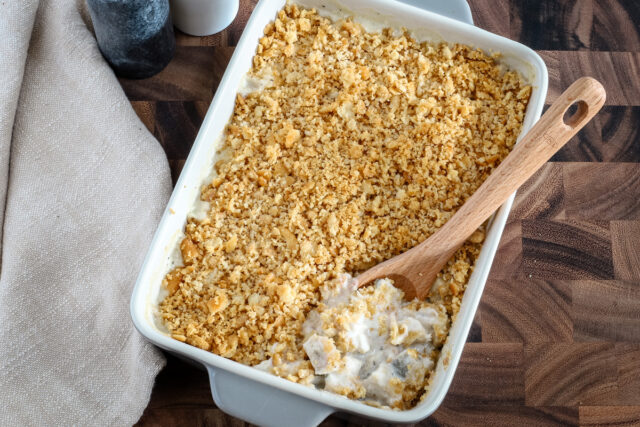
[
  {"x": 250, "y": 84},
  {"x": 388, "y": 349}
]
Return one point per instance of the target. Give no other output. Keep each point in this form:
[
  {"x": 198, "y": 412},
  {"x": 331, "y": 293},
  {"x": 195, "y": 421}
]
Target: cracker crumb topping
[{"x": 354, "y": 148}]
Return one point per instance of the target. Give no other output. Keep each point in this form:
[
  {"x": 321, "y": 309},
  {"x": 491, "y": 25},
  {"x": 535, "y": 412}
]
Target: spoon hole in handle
[{"x": 575, "y": 114}]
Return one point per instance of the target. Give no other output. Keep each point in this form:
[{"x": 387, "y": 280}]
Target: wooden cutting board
[{"x": 556, "y": 340}]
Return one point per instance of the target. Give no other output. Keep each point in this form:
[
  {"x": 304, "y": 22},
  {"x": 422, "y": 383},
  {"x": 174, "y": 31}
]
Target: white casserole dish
[{"x": 259, "y": 397}]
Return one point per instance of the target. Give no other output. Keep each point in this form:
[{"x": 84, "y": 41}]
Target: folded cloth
[{"x": 82, "y": 187}]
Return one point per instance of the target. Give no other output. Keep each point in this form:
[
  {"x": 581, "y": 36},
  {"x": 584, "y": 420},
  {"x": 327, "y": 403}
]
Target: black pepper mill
[{"x": 135, "y": 36}]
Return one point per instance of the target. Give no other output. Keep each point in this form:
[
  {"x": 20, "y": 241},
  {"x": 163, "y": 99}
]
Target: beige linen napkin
[{"x": 82, "y": 187}]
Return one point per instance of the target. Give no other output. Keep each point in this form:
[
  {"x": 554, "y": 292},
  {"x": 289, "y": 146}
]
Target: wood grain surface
[{"x": 556, "y": 340}]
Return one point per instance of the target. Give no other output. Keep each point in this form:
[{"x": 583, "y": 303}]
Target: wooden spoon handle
[{"x": 548, "y": 135}]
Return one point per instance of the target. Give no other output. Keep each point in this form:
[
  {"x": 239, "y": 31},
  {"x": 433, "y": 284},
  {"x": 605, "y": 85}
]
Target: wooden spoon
[{"x": 415, "y": 270}]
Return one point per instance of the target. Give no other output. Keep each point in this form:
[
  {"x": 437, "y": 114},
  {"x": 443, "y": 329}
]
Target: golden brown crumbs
[{"x": 359, "y": 147}]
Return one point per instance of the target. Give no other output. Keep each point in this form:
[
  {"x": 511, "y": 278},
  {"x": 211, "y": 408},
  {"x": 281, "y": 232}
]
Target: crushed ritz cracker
[
  {"x": 353, "y": 148},
  {"x": 371, "y": 345}
]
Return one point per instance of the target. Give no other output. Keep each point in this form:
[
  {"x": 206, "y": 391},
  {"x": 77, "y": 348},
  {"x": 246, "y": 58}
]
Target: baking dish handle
[{"x": 261, "y": 404}]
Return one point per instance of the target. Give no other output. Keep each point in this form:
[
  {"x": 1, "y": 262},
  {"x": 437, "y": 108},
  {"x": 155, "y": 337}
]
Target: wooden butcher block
[{"x": 556, "y": 340}]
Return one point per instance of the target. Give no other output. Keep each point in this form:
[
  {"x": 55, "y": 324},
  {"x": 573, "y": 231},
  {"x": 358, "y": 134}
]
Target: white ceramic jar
[{"x": 203, "y": 17}]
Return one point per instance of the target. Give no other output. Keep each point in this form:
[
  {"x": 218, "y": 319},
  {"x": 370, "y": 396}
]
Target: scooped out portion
[{"x": 370, "y": 344}]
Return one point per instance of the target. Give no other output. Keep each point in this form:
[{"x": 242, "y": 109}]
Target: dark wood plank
[
  {"x": 628, "y": 358},
  {"x": 475, "y": 332},
  {"x": 192, "y": 75},
  {"x": 492, "y": 15},
  {"x": 488, "y": 374},
  {"x": 606, "y": 25},
  {"x": 518, "y": 310},
  {"x": 612, "y": 136},
  {"x": 613, "y": 416},
  {"x": 568, "y": 249},
  {"x": 552, "y": 25},
  {"x": 146, "y": 113},
  {"x": 349, "y": 420},
  {"x": 606, "y": 310},
  {"x": 615, "y": 25},
  {"x": 568, "y": 374},
  {"x": 184, "y": 385},
  {"x": 542, "y": 196},
  {"x": 602, "y": 191},
  {"x": 218, "y": 39},
  {"x": 508, "y": 259},
  {"x": 189, "y": 416},
  {"x": 495, "y": 415},
  {"x": 625, "y": 245},
  {"x": 618, "y": 72},
  {"x": 176, "y": 125},
  {"x": 176, "y": 167}
]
